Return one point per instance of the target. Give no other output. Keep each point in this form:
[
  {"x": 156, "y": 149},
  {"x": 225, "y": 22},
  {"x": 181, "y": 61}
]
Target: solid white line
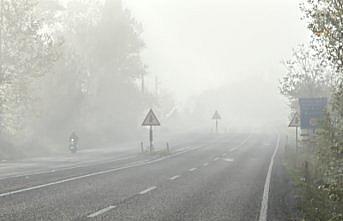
[
  {"x": 147, "y": 190},
  {"x": 193, "y": 169},
  {"x": 133, "y": 165},
  {"x": 205, "y": 164},
  {"x": 40, "y": 172},
  {"x": 102, "y": 211},
  {"x": 174, "y": 177},
  {"x": 264, "y": 203}
]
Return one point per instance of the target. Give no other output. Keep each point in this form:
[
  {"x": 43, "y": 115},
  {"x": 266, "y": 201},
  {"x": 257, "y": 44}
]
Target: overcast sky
[{"x": 194, "y": 45}]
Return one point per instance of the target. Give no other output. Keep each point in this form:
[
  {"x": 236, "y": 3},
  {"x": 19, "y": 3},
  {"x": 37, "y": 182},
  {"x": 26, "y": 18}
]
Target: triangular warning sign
[
  {"x": 295, "y": 122},
  {"x": 216, "y": 116},
  {"x": 151, "y": 119}
]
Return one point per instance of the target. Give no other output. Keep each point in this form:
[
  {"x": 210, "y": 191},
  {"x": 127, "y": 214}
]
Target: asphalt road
[{"x": 222, "y": 177}]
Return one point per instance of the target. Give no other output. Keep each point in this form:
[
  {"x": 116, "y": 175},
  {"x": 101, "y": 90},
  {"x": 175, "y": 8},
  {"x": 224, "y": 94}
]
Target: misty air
[{"x": 171, "y": 110}]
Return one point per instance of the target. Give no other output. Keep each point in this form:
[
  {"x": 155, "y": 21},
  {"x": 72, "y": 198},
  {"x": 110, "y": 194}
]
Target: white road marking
[
  {"x": 224, "y": 154},
  {"x": 238, "y": 146},
  {"x": 264, "y": 203},
  {"x": 205, "y": 164},
  {"x": 229, "y": 160},
  {"x": 132, "y": 165},
  {"x": 193, "y": 169},
  {"x": 215, "y": 159},
  {"x": 147, "y": 190},
  {"x": 40, "y": 172},
  {"x": 174, "y": 177},
  {"x": 102, "y": 211}
]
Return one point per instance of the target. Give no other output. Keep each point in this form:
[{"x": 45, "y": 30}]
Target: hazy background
[
  {"x": 196, "y": 56},
  {"x": 194, "y": 45}
]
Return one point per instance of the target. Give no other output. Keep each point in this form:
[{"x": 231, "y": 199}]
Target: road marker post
[
  {"x": 168, "y": 149},
  {"x": 142, "y": 147},
  {"x": 151, "y": 120}
]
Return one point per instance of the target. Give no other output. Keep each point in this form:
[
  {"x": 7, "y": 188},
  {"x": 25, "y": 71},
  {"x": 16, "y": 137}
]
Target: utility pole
[
  {"x": 1, "y": 37},
  {"x": 142, "y": 83},
  {"x": 156, "y": 85}
]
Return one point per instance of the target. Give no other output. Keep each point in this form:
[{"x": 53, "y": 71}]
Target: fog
[
  {"x": 196, "y": 45},
  {"x": 97, "y": 67}
]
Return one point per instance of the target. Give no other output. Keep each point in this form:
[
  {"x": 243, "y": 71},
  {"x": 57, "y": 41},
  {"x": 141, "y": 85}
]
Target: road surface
[{"x": 222, "y": 177}]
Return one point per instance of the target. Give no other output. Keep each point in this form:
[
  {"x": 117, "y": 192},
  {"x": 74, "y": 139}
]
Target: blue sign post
[{"x": 311, "y": 111}]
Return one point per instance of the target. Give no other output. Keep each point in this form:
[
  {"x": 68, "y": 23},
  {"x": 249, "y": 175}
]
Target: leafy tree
[
  {"x": 309, "y": 74},
  {"x": 325, "y": 18},
  {"x": 28, "y": 53}
]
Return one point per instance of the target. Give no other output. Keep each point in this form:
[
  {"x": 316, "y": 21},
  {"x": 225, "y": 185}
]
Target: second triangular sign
[{"x": 151, "y": 119}]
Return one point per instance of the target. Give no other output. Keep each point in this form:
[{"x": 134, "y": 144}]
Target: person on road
[{"x": 73, "y": 138}]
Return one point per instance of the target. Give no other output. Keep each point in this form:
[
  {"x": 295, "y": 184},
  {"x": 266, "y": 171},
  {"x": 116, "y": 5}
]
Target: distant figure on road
[
  {"x": 73, "y": 142},
  {"x": 73, "y": 137}
]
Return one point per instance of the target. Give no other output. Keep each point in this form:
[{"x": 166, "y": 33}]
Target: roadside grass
[{"x": 313, "y": 202}]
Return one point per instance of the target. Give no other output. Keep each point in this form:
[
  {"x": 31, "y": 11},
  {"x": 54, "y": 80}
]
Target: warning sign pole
[
  {"x": 151, "y": 140},
  {"x": 295, "y": 122},
  {"x": 216, "y": 126},
  {"x": 296, "y": 138},
  {"x": 151, "y": 120},
  {"x": 216, "y": 117}
]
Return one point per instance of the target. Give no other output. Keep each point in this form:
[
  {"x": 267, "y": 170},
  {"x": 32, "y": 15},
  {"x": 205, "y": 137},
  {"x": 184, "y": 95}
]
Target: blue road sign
[{"x": 311, "y": 111}]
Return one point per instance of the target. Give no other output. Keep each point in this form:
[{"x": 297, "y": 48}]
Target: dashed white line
[
  {"x": 102, "y": 211},
  {"x": 193, "y": 169},
  {"x": 174, "y": 177},
  {"x": 229, "y": 160},
  {"x": 215, "y": 159},
  {"x": 264, "y": 203},
  {"x": 205, "y": 164},
  {"x": 224, "y": 154},
  {"x": 148, "y": 190}
]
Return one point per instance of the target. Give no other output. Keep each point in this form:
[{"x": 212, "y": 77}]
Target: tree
[
  {"x": 28, "y": 53},
  {"x": 308, "y": 75},
  {"x": 325, "y": 18},
  {"x": 95, "y": 87}
]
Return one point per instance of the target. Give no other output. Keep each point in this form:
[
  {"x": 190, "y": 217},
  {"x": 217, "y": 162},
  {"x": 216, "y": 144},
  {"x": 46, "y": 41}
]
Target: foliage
[
  {"x": 308, "y": 75},
  {"x": 325, "y": 19},
  {"x": 28, "y": 53},
  {"x": 323, "y": 195},
  {"x": 70, "y": 67}
]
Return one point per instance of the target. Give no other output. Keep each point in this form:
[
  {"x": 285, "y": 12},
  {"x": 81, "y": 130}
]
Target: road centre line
[
  {"x": 264, "y": 203},
  {"x": 174, "y": 177},
  {"x": 148, "y": 190},
  {"x": 239, "y": 145},
  {"x": 192, "y": 169},
  {"x": 102, "y": 211}
]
